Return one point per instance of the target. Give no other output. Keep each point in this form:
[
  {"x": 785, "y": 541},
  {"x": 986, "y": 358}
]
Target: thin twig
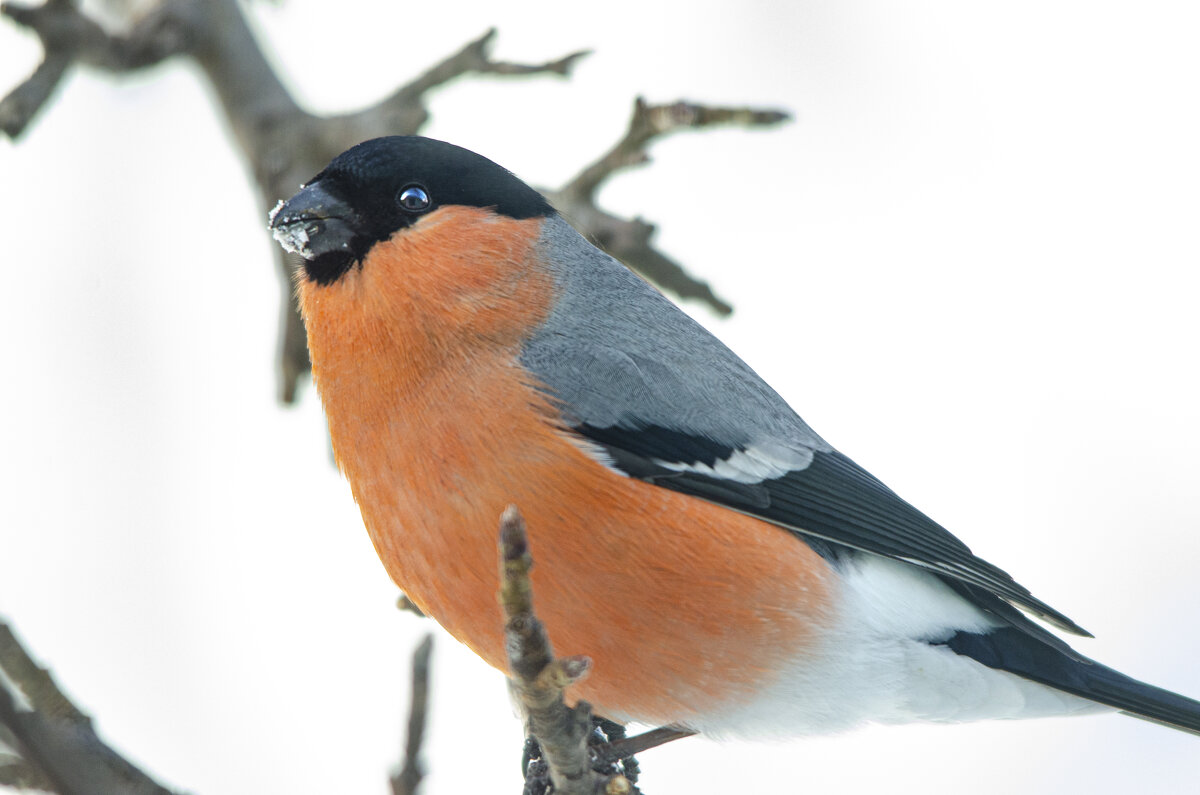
[
  {"x": 630, "y": 746},
  {"x": 476, "y": 58},
  {"x": 539, "y": 679},
  {"x": 408, "y": 780},
  {"x": 650, "y": 122},
  {"x": 407, "y": 605},
  {"x": 630, "y": 240}
]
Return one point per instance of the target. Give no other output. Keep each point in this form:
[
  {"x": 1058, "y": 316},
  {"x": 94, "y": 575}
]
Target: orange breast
[{"x": 683, "y": 606}]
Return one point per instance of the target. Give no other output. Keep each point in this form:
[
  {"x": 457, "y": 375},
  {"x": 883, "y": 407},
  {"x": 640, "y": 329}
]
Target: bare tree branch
[
  {"x": 54, "y": 738},
  {"x": 584, "y": 754},
  {"x": 629, "y": 240},
  {"x": 650, "y": 122},
  {"x": 473, "y": 58},
  {"x": 538, "y": 679},
  {"x": 408, "y": 605},
  {"x": 68, "y": 37},
  {"x": 408, "y": 779},
  {"x": 285, "y": 145},
  {"x": 20, "y": 106},
  {"x": 15, "y": 772},
  {"x": 627, "y": 747}
]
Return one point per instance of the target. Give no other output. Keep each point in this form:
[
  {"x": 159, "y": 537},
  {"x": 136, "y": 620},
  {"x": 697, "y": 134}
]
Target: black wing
[{"x": 833, "y": 500}]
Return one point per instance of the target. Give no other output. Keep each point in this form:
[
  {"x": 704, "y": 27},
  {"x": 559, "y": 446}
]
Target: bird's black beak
[
  {"x": 314, "y": 223},
  {"x": 320, "y": 227}
]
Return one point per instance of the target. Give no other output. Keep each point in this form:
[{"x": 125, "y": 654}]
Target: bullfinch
[{"x": 727, "y": 570}]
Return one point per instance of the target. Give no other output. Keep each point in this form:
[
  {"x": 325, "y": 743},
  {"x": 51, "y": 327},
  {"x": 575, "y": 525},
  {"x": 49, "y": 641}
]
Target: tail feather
[{"x": 1008, "y": 649}]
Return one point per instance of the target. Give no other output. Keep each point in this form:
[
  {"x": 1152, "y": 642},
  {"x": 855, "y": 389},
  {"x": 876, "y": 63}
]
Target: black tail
[{"x": 1009, "y": 649}]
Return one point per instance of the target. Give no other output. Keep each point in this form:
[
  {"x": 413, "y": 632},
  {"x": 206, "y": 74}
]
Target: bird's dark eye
[{"x": 413, "y": 199}]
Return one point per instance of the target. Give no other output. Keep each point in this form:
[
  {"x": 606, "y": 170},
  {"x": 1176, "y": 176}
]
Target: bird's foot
[{"x": 612, "y": 753}]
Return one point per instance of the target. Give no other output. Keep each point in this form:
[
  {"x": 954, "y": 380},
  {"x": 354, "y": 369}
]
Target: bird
[{"x": 727, "y": 570}]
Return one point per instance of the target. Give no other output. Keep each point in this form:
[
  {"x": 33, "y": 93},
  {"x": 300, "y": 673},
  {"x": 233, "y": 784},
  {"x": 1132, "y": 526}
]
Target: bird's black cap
[{"x": 378, "y": 187}]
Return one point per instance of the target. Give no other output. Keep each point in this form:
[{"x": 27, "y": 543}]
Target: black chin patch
[{"x": 328, "y": 268}]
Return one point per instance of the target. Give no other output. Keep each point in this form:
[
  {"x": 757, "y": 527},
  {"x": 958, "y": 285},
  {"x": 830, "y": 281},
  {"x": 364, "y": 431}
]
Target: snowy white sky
[{"x": 971, "y": 263}]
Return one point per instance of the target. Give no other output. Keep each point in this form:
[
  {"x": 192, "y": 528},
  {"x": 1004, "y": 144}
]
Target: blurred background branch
[
  {"x": 284, "y": 145},
  {"x": 56, "y": 748},
  {"x": 407, "y": 780}
]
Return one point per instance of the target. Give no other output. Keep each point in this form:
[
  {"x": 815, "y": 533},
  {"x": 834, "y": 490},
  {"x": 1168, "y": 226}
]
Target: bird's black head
[{"x": 373, "y": 190}]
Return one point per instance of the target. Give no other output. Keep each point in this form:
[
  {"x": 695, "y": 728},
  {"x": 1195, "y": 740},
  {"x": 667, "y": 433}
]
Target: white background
[{"x": 971, "y": 263}]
